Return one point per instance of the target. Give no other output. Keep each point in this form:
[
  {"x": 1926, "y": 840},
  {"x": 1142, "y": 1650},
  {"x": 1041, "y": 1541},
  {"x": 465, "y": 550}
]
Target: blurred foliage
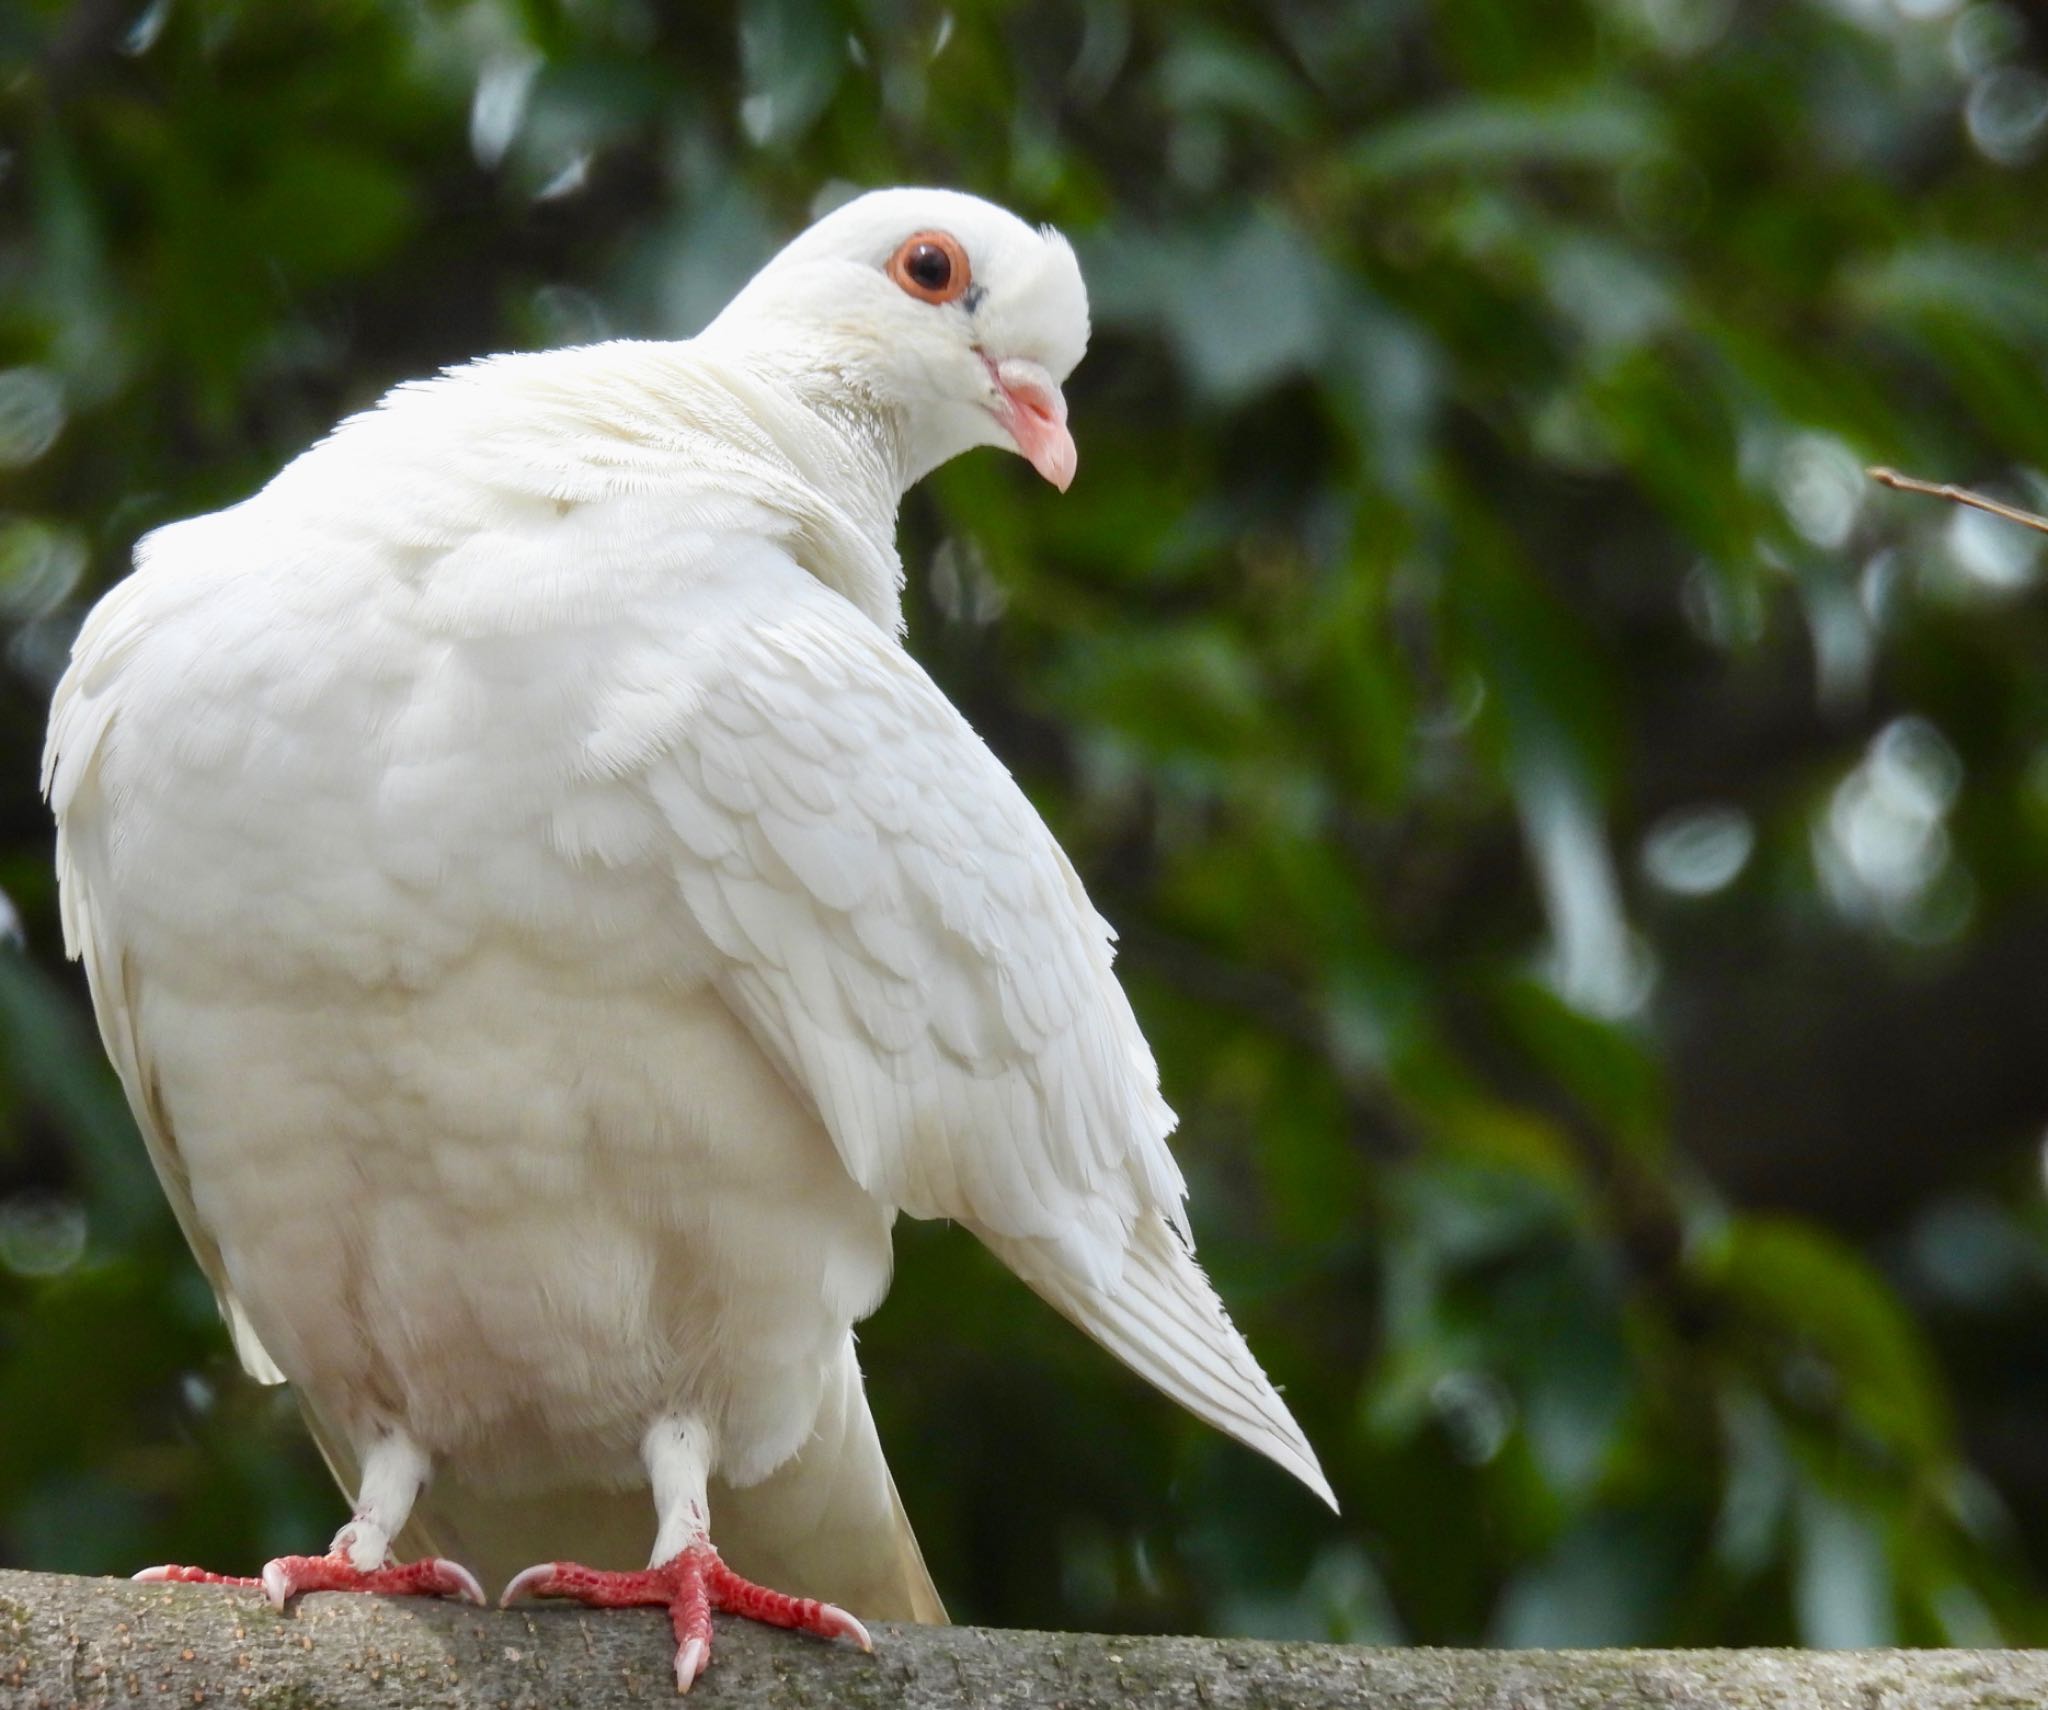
[{"x": 1582, "y": 851}]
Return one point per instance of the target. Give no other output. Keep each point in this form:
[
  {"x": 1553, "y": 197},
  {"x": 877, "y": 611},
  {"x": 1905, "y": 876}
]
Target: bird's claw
[
  {"x": 288, "y": 1576},
  {"x": 536, "y": 1581},
  {"x": 689, "y": 1585},
  {"x": 837, "y": 1623},
  {"x": 692, "y": 1657}
]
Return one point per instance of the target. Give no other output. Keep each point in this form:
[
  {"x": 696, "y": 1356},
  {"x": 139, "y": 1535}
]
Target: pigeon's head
[{"x": 945, "y": 310}]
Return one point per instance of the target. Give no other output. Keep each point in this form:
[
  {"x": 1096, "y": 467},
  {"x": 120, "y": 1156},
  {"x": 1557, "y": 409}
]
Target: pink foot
[
  {"x": 287, "y": 1576},
  {"x": 689, "y": 1586}
]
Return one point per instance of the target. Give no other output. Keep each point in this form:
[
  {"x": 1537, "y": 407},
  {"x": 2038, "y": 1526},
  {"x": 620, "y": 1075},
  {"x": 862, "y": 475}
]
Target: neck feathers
[{"x": 737, "y": 439}]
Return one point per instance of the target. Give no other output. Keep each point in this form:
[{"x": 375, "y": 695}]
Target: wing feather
[
  {"x": 81, "y": 716},
  {"x": 904, "y": 937}
]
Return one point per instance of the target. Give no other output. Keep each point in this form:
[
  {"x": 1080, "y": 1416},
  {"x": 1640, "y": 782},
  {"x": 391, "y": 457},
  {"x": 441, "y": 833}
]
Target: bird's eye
[{"x": 931, "y": 266}]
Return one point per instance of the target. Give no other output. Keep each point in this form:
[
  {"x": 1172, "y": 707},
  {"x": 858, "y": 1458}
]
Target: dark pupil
[{"x": 930, "y": 267}]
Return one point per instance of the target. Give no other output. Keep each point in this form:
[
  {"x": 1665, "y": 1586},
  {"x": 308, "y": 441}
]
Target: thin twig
[{"x": 1959, "y": 495}]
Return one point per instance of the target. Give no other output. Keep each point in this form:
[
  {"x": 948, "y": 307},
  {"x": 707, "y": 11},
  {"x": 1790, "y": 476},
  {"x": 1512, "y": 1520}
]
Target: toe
[
  {"x": 169, "y": 1573},
  {"x": 600, "y": 1588},
  {"x": 737, "y": 1596},
  {"x": 434, "y": 1576}
]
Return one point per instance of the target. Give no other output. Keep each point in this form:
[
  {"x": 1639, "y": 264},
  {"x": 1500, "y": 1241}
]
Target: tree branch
[
  {"x": 1956, "y": 495},
  {"x": 90, "y": 1642}
]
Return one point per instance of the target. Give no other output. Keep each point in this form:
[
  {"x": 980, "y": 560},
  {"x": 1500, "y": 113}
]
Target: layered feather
[{"x": 904, "y": 937}]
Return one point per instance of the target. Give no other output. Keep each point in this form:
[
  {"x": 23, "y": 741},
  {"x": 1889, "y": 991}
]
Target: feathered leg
[
  {"x": 685, "y": 1575},
  {"x": 357, "y": 1560}
]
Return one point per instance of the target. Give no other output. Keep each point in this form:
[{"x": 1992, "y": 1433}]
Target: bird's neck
[{"x": 846, "y": 452}]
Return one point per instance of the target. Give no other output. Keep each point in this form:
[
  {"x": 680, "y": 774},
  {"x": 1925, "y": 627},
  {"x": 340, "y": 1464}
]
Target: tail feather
[
  {"x": 829, "y": 1523},
  {"x": 1163, "y": 1320}
]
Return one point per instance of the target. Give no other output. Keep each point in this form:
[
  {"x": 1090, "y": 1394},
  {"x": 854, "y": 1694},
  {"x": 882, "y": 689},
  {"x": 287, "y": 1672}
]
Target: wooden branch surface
[{"x": 89, "y": 1642}]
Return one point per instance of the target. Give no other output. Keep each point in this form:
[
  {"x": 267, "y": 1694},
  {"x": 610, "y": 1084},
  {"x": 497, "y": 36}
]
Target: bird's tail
[
  {"x": 829, "y": 1523},
  {"x": 1163, "y": 1320}
]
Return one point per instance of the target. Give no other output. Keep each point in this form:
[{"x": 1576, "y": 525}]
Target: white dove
[{"x": 548, "y": 927}]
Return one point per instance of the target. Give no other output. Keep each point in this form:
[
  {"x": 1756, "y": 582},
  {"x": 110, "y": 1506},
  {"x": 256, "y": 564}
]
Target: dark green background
[{"x": 1581, "y": 850}]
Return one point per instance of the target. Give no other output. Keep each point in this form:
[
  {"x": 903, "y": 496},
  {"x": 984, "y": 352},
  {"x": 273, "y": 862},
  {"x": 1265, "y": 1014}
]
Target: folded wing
[
  {"x": 899, "y": 930},
  {"x": 81, "y": 715}
]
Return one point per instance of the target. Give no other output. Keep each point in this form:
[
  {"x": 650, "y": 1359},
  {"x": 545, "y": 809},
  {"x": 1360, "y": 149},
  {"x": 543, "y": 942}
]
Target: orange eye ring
[{"x": 931, "y": 266}]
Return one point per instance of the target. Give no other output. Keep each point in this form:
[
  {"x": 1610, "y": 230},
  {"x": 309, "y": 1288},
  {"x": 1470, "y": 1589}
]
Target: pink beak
[{"x": 1034, "y": 414}]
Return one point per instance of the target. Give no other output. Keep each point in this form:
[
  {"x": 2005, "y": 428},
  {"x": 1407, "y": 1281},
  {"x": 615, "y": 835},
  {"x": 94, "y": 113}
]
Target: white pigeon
[{"x": 548, "y": 927}]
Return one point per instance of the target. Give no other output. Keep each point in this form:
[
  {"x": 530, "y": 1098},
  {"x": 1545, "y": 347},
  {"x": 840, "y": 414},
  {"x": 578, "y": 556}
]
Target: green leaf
[
  {"x": 1806, "y": 1292},
  {"x": 1598, "y": 128},
  {"x": 319, "y": 208}
]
